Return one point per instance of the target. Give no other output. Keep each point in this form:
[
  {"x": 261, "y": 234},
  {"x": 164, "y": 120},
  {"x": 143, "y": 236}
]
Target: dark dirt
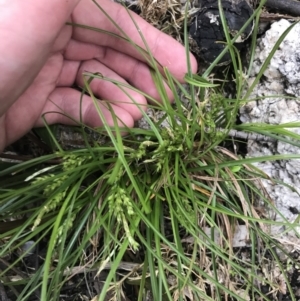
[{"x": 207, "y": 29}]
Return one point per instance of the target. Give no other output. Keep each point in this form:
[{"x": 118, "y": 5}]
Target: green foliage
[{"x": 169, "y": 198}]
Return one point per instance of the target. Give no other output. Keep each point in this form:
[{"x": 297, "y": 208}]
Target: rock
[
  {"x": 27, "y": 249},
  {"x": 207, "y": 29},
  {"x": 281, "y": 79}
]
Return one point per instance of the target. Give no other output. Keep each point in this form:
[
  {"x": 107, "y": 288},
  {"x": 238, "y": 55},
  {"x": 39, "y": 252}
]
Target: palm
[{"x": 72, "y": 52}]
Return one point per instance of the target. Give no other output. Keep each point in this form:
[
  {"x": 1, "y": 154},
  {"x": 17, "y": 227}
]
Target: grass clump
[{"x": 155, "y": 212}]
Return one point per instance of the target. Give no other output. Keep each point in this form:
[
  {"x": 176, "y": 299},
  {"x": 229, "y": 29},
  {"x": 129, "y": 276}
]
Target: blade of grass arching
[
  {"x": 239, "y": 78},
  {"x": 27, "y": 194},
  {"x": 19, "y": 236},
  {"x": 268, "y": 60},
  {"x": 121, "y": 85},
  {"x": 283, "y": 270},
  {"x": 156, "y": 220},
  {"x": 253, "y": 42},
  {"x": 216, "y": 61},
  {"x": 282, "y": 136},
  {"x": 246, "y": 161},
  {"x": 185, "y": 261},
  {"x": 238, "y": 72},
  {"x": 26, "y": 165},
  {"x": 50, "y": 133},
  {"x": 127, "y": 39},
  {"x": 198, "y": 272},
  {"x": 13, "y": 202},
  {"x": 159, "y": 79},
  {"x": 17, "y": 240},
  {"x": 253, "y": 259},
  {"x": 187, "y": 54},
  {"x": 112, "y": 273},
  {"x": 250, "y": 190},
  {"x": 74, "y": 249},
  {"x": 279, "y": 132},
  {"x": 43, "y": 134},
  {"x": 172, "y": 196},
  {"x": 159, "y": 83},
  {"x": 82, "y": 128},
  {"x": 176, "y": 222},
  {"x": 54, "y": 235},
  {"x": 208, "y": 217},
  {"x": 143, "y": 280},
  {"x": 152, "y": 62},
  {"x": 177, "y": 173},
  {"x": 192, "y": 94},
  {"x": 229, "y": 42},
  {"x": 168, "y": 108},
  {"x": 32, "y": 287},
  {"x": 222, "y": 209},
  {"x": 34, "y": 280},
  {"x": 56, "y": 281},
  {"x": 4, "y": 165},
  {"x": 212, "y": 236},
  {"x": 179, "y": 111},
  {"x": 85, "y": 240},
  {"x": 151, "y": 262},
  {"x": 289, "y": 227},
  {"x": 272, "y": 127},
  {"x": 186, "y": 45},
  {"x": 274, "y": 96},
  {"x": 182, "y": 89},
  {"x": 118, "y": 145},
  {"x": 199, "y": 81},
  {"x": 151, "y": 255}
]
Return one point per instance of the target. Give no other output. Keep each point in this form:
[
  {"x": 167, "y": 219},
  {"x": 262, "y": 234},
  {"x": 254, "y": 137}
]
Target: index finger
[{"x": 168, "y": 52}]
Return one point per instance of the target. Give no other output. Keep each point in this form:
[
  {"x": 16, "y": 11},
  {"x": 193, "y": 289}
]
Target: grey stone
[{"x": 281, "y": 80}]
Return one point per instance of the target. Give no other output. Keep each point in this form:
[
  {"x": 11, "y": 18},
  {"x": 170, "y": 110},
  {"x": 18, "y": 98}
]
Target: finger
[
  {"x": 132, "y": 70},
  {"x": 132, "y": 102},
  {"x": 26, "y": 43},
  {"x": 68, "y": 73},
  {"x": 165, "y": 49},
  {"x": 66, "y": 105},
  {"x": 22, "y": 115}
]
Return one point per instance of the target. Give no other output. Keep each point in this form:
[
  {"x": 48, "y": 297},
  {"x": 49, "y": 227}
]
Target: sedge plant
[{"x": 154, "y": 212}]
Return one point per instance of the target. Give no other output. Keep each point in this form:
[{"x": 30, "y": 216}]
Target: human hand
[{"x": 41, "y": 58}]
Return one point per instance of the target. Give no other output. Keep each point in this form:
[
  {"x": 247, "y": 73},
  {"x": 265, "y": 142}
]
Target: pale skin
[{"x": 42, "y": 58}]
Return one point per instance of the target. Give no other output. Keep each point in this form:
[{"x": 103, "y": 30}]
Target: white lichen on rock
[{"x": 280, "y": 80}]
